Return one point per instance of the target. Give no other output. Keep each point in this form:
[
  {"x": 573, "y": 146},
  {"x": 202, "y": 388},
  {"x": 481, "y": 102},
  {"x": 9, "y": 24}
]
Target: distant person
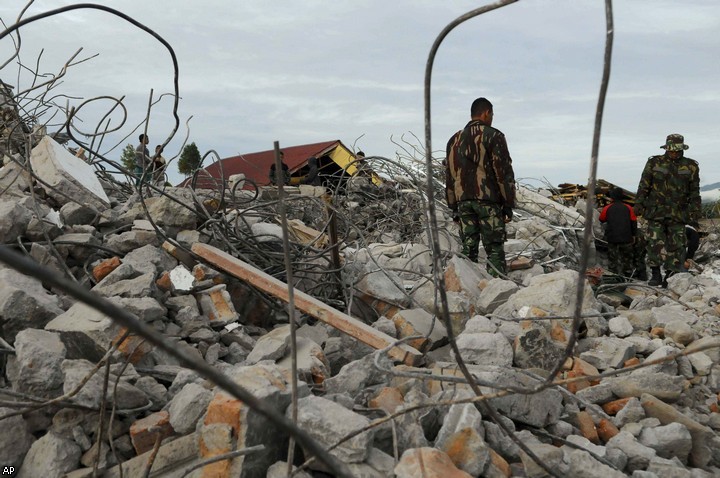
[
  {"x": 159, "y": 165},
  {"x": 284, "y": 177},
  {"x": 142, "y": 160},
  {"x": 620, "y": 231},
  {"x": 480, "y": 185},
  {"x": 693, "y": 243},
  {"x": 668, "y": 198},
  {"x": 313, "y": 176}
]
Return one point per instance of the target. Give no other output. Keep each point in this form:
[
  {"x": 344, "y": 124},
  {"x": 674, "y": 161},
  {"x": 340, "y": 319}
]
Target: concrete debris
[{"x": 637, "y": 395}]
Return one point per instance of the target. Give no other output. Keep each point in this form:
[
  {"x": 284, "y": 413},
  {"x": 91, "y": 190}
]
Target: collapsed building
[{"x": 365, "y": 361}]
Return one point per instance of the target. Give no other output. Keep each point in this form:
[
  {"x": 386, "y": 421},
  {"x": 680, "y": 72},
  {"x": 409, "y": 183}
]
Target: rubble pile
[{"x": 637, "y": 395}]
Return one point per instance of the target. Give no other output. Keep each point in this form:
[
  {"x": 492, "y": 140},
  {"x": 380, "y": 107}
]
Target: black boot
[
  {"x": 667, "y": 276},
  {"x": 656, "y": 278}
]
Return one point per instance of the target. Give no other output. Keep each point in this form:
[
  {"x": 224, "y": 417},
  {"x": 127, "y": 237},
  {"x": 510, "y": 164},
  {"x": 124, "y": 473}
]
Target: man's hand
[{"x": 507, "y": 213}]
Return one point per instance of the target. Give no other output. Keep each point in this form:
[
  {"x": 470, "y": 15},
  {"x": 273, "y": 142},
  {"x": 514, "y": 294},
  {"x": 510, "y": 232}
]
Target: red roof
[{"x": 256, "y": 166}]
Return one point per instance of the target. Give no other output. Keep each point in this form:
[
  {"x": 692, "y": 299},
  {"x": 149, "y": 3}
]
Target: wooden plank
[{"x": 307, "y": 304}]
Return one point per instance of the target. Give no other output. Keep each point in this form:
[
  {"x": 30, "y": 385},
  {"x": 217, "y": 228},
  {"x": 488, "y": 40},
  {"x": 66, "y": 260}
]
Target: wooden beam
[{"x": 307, "y": 304}]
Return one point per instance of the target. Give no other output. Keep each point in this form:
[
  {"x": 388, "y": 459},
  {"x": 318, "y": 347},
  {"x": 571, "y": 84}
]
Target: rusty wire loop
[{"x": 433, "y": 221}]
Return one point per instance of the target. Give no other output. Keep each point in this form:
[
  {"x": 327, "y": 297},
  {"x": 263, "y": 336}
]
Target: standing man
[
  {"x": 480, "y": 185},
  {"x": 668, "y": 198},
  {"x": 620, "y": 231},
  {"x": 142, "y": 159}
]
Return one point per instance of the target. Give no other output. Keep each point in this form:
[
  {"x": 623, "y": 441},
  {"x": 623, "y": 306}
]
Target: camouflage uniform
[
  {"x": 480, "y": 187},
  {"x": 668, "y": 197}
]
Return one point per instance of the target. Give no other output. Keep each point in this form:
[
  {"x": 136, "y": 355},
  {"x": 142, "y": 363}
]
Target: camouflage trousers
[
  {"x": 666, "y": 239},
  {"x": 621, "y": 258},
  {"x": 484, "y": 222}
]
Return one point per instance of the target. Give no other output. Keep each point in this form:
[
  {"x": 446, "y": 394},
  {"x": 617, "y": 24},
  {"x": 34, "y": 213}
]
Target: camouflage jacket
[
  {"x": 479, "y": 167},
  {"x": 669, "y": 189}
]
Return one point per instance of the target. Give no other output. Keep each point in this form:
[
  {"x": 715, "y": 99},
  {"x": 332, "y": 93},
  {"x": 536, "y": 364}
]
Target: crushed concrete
[{"x": 610, "y": 413}]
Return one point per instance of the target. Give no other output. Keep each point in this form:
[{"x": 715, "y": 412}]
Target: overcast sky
[{"x": 253, "y": 72}]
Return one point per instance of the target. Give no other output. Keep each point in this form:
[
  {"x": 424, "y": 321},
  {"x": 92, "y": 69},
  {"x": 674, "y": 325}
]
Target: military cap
[{"x": 675, "y": 142}]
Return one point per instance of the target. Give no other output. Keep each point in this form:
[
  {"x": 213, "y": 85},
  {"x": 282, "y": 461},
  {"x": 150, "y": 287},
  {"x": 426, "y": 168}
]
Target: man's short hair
[
  {"x": 480, "y": 106},
  {"x": 142, "y": 137}
]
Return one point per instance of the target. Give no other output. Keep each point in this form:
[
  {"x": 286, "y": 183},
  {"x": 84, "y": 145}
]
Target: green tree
[
  {"x": 128, "y": 157},
  {"x": 189, "y": 159}
]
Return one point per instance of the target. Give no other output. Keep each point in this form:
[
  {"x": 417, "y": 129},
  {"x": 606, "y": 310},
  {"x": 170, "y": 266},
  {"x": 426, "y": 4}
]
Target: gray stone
[
  {"x": 702, "y": 446},
  {"x": 485, "y": 349},
  {"x": 385, "y": 286},
  {"x": 271, "y": 346},
  {"x": 15, "y": 439},
  {"x": 149, "y": 258},
  {"x": 168, "y": 211},
  {"x": 15, "y": 180},
  {"x": 44, "y": 256},
  {"x": 467, "y": 449},
  {"x": 713, "y": 344},
  {"x": 667, "y": 468},
  {"x": 658, "y": 384},
  {"x": 74, "y": 213},
  {"x": 279, "y": 469},
  {"x": 327, "y": 422},
  {"x": 24, "y": 303},
  {"x": 359, "y": 374},
  {"x": 311, "y": 364},
  {"x": 639, "y": 455},
  {"x": 607, "y": 352},
  {"x": 50, "y": 457},
  {"x": 459, "y": 304},
  {"x": 534, "y": 347},
  {"x": 459, "y": 417},
  {"x": 600, "y": 393},
  {"x": 680, "y": 331},
  {"x": 632, "y": 412},
  {"x": 142, "y": 286},
  {"x": 671, "y": 440},
  {"x": 384, "y": 325},
  {"x": 64, "y": 176},
  {"x": 88, "y": 333},
  {"x": 641, "y": 320},
  {"x": 554, "y": 293},
  {"x": 669, "y": 366},
  {"x": 130, "y": 240},
  {"x": 496, "y": 293},
  {"x": 187, "y": 407},
  {"x": 479, "y": 325},
  {"x": 413, "y": 322},
  {"x": 124, "y": 395},
  {"x": 35, "y": 369},
  {"x": 14, "y": 219},
  {"x": 550, "y": 455},
  {"x": 77, "y": 245},
  {"x": 318, "y": 333},
  {"x": 155, "y": 391},
  {"x": 620, "y": 326},
  {"x": 146, "y": 309},
  {"x": 701, "y": 363},
  {"x": 583, "y": 464},
  {"x": 663, "y": 315}
]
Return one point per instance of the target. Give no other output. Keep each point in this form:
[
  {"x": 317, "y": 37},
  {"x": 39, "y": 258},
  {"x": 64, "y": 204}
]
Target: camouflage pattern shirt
[
  {"x": 479, "y": 167},
  {"x": 669, "y": 190}
]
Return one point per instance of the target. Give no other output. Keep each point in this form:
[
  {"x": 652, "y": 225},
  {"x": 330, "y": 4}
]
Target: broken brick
[
  {"x": 606, "y": 430},
  {"x": 611, "y": 408},
  {"x": 105, "y": 267},
  {"x": 388, "y": 399},
  {"x": 586, "y": 425},
  {"x": 144, "y": 432}
]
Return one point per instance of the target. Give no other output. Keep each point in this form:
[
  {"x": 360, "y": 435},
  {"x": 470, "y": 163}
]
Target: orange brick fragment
[
  {"x": 557, "y": 333},
  {"x": 631, "y": 362},
  {"x": 657, "y": 332},
  {"x": 101, "y": 270},
  {"x": 586, "y": 425},
  {"x": 144, "y": 432},
  {"x": 611, "y": 408},
  {"x": 500, "y": 463},
  {"x": 606, "y": 430},
  {"x": 715, "y": 408},
  {"x": 164, "y": 283},
  {"x": 224, "y": 409},
  {"x": 575, "y": 387},
  {"x": 388, "y": 399}
]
